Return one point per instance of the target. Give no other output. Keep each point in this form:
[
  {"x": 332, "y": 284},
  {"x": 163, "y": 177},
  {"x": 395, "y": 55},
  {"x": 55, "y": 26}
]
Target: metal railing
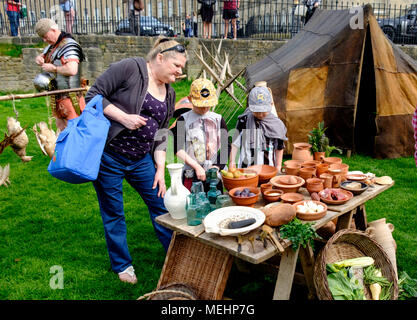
[{"x": 258, "y": 19}]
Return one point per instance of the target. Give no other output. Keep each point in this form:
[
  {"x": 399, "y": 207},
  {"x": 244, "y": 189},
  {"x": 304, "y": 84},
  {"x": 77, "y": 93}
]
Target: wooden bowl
[
  {"x": 246, "y": 201},
  {"x": 265, "y": 172},
  {"x": 287, "y": 187},
  {"x": 272, "y": 195},
  {"x": 356, "y": 192},
  {"x": 230, "y": 183},
  {"x": 291, "y": 197},
  {"x": 336, "y": 202},
  {"x": 310, "y": 216}
]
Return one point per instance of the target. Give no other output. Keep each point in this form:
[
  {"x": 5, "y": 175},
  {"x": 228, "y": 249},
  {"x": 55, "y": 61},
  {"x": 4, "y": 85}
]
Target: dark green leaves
[{"x": 298, "y": 233}]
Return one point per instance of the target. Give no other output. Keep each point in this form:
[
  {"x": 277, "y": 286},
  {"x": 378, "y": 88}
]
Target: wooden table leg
[
  {"x": 360, "y": 218},
  {"x": 307, "y": 263},
  {"x": 286, "y": 274},
  {"x": 343, "y": 222}
]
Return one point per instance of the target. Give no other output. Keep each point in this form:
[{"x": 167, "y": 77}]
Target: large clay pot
[
  {"x": 314, "y": 185},
  {"x": 381, "y": 232},
  {"x": 176, "y": 196},
  {"x": 302, "y": 151}
]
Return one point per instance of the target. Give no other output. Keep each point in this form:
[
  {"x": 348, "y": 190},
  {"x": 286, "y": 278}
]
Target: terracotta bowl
[
  {"x": 357, "y": 177},
  {"x": 343, "y": 167},
  {"x": 336, "y": 202},
  {"x": 310, "y": 164},
  {"x": 310, "y": 216},
  {"x": 272, "y": 195},
  {"x": 332, "y": 160},
  {"x": 291, "y": 197},
  {"x": 287, "y": 179},
  {"x": 287, "y": 187},
  {"x": 291, "y": 169},
  {"x": 230, "y": 183},
  {"x": 265, "y": 172},
  {"x": 293, "y": 162},
  {"x": 246, "y": 201},
  {"x": 356, "y": 192}
]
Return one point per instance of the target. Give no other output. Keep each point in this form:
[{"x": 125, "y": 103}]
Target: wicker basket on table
[{"x": 347, "y": 244}]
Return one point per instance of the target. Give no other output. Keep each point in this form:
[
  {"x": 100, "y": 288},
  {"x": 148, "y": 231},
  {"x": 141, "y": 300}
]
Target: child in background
[
  {"x": 260, "y": 135},
  {"x": 205, "y": 134}
]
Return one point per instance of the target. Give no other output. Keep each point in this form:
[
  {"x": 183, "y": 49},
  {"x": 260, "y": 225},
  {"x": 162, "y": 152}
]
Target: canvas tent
[{"x": 356, "y": 80}]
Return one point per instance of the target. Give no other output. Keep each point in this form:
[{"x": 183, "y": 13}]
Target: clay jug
[
  {"x": 302, "y": 151},
  {"x": 314, "y": 185},
  {"x": 176, "y": 196},
  {"x": 381, "y": 232},
  {"x": 327, "y": 180},
  {"x": 337, "y": 179},
  {"x": 321, "y": 168},
  {"x": 319, "y": 156}
]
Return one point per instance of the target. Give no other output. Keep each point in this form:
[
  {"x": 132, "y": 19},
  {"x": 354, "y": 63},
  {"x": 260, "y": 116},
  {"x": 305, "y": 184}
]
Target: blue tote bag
[{"x": 79, "y": 147}]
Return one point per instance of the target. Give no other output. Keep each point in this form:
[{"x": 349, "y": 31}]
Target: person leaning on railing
[{"x": 13, "y": 9}]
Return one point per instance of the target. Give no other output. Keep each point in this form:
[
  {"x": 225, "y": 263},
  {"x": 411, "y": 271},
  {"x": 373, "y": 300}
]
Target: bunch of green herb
[
  {"x": 298, "y": 233},
  {"x": 407, "y": 287}
]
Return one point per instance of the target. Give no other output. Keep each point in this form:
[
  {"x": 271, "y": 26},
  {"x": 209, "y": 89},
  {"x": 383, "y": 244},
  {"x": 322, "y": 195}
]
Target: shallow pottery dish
[
  {"x": 265, "y": 172},
  {"x": 218, "y": 220},
  {"x": 245, "y": 201},
  {"x": 291, "y": 197},
  {"x": 275, "y": 181},
  {"x": 310, "y": 216},
  {"x": 356, "y": 177},
  {"x": 345, "y": 186},
  {"x": 230, "y": 183},
  {"x": 272, "y": 195},
  {"x": 348, "y": 195}
]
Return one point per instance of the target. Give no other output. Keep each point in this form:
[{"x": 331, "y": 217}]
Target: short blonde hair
[{"x": 163, "y": 43}]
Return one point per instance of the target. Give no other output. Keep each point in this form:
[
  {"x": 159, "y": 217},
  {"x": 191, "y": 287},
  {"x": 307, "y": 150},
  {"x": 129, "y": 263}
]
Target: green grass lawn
[{"x": 46, "y": 223}]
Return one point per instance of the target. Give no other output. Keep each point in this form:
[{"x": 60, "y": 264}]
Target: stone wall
[{"x": 16, "y": 74}]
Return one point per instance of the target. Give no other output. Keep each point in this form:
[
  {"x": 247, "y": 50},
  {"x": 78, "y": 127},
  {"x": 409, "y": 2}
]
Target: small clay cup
[
  {"x": 327, "y": 180},
  {"x": 307, "y": 173},
  {"x": 321, "y": 168},
  {"x": 314, "y": 185}
]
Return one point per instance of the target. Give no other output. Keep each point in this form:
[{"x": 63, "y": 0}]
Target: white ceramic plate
[{"x": 217, "y": 220}]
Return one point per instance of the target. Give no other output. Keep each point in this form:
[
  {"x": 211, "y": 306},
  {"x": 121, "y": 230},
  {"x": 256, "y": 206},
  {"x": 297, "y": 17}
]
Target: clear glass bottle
[
  {"x": 192, "y": 211},
  {"x": 212, "y": 195}
]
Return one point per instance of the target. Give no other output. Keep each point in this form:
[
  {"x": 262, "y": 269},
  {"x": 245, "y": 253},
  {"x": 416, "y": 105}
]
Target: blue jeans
[
  {"x": 14, "y": 22},
  {"x": 140, "y": 175}
]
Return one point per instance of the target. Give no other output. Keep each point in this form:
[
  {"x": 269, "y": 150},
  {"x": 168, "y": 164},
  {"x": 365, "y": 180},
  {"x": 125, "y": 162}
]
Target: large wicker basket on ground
[{"x": 347, "y": 244}]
